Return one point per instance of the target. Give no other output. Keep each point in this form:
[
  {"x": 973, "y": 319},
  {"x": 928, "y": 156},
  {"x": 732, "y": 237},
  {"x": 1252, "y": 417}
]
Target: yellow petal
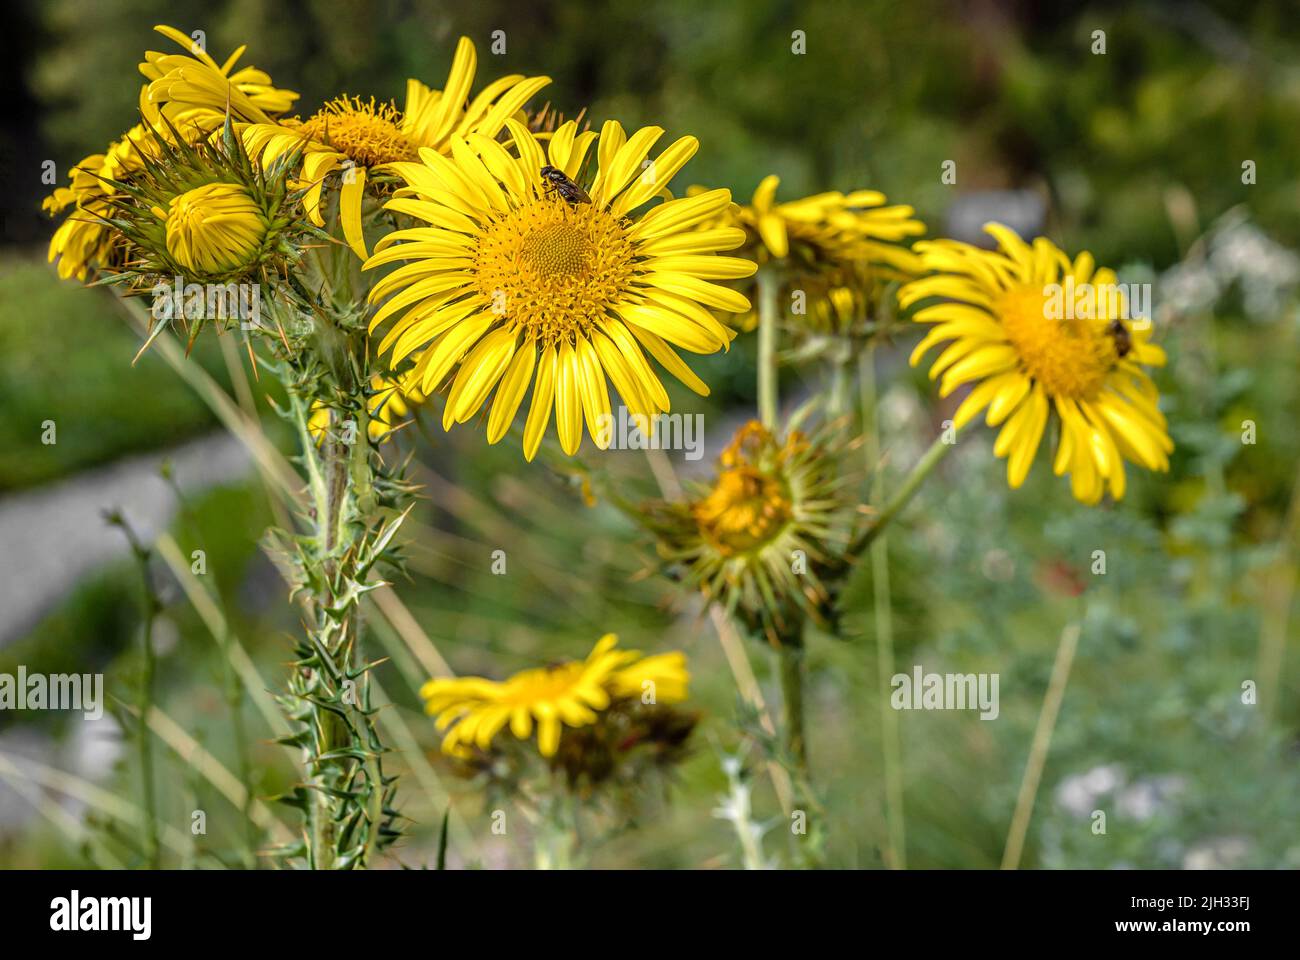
[
  {"x": 709, "y": 294},
  {"x": 568, "y": 406},
  {"x": 514, "y": 384},
  {"x": 625, "y": 164},
  {"x": 548, "y": 736},
  {"x": 671, "y": 362},
  {"x": 594, "y": 393},
  {"x": 657, "y": 175},
  {"x": 1031, "y": 433},
  {"x": 671, "y": 218},
  {"x": 456, "y": 90},
  {"x": 479, "y": 372},
  {"x": 772, "y": 229},
  {"x": 539, "y": 414},
  {"x": 765, "y": 193},
  {"x": 444, "y": 355},
  {"x": 350, "y": 196},
  {"x": 667, "y": 325}
]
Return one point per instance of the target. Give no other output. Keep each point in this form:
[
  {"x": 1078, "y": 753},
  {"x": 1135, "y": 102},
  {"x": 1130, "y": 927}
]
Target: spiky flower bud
[{"x": 215, "y": 228}]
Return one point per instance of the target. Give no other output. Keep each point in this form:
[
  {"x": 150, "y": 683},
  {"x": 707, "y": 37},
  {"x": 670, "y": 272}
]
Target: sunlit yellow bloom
[
  {"x": 361, "y": 138},
  {"x": 318, "y": 423},
  {"x": 835, "y": 252},
  {"x": 473, "y": 710},
  {"x": 832, "y": 227},
  {"x": 519, "y": 286},
  {"x": 1029, "y": 359},
  {"x": 214, "y": 228},
  {"x": 191, "y": 90}
]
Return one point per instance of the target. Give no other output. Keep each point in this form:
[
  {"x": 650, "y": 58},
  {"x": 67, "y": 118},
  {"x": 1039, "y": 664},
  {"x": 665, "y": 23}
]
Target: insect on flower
[
  {"x": 557, "y": 180},
  {"x": 1119, "y": 333}
]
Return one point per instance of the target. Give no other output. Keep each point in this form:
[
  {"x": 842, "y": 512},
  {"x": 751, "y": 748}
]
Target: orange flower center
[
  {"x": 745, "y": 509},
  {"x": 1070, "y": 356},
  {"x": 367, "y": 132},
  {"x": 554, "y": 268}
]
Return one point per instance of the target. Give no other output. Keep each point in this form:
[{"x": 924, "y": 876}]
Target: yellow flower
[
  {"x": 832, "y": 228},
  {"x": 192, "y": 88},
  {"x": 318, "y": 423},
  {"x": 214, "y": 228},
  {"x": 192, "y": 93},
  {"x": 518, "y": 285},
  {"x": 85, "y": 239},
  {"x": 835, "y": 250},
  {"x": 1031, "y": 356},
  {"x": 764, "y": 535},
  {"x": 474, "y": 710},
  {"x": 362, "y": 137}
]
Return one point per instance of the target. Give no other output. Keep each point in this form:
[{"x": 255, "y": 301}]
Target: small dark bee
[
  {"x": 1123, "y": 342},
  {"x": 556, "y": 180}
]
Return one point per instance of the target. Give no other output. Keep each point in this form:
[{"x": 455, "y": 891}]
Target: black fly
[
  {"x": 556, "y": 180},
  {"x": 1119, "y": 332}
]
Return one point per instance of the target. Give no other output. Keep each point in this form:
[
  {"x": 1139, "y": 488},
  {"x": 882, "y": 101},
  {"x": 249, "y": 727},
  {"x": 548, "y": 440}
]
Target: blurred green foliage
[{"x": 65, "y": 356}]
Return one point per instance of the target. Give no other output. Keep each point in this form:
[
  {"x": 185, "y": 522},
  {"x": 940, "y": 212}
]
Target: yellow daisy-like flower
[
  {"x": 832, "y": 227},
  {"x": 188, "y": 93},
  {"x": 363, "y": 137},
  {"x": 519, "y": 285},
  {"x": 1031, "y": 356},
  {"x": 84, "y": 239},
  {"x": 836, "y": 249},
  {"x": 192, "y": 87},
  {"x": 763, "y": 536},
  {"x": 474, "y": 710}
]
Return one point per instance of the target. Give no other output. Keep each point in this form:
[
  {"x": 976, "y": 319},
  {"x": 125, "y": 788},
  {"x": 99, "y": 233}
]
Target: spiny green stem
[
  {"x": 736, "y": 807},
  {"x": 555, "y": 840},
  {"x": 329, "y": 732},
  {"x": 346, "y": 796}
]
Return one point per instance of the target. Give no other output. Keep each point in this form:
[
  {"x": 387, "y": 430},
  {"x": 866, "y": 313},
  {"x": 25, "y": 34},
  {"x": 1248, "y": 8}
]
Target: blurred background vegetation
[{"x": 1136, "y": 155}]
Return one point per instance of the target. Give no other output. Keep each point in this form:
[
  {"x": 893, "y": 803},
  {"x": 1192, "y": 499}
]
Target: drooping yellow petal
[{"x": 350, "y": 196}]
